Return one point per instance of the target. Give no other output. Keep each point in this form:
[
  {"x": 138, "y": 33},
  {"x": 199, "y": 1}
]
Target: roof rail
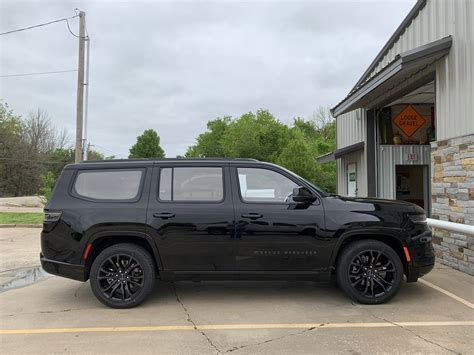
[{"x": 164, "y": 159}]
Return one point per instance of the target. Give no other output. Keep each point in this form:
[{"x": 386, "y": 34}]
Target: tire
[
  {"x": 361, "y": 274},
  {"x": 123, "y": 275}
]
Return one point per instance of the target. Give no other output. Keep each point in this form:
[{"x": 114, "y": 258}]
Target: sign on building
[{"x": 409, "y": 120}]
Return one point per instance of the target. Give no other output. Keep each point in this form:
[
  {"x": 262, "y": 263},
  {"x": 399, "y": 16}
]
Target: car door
[
  {"x": 191, "y": 217},
  {"x": 273, "y": 233}
]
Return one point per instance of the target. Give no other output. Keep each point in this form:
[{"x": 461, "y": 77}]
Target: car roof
[{"x": 151, "y": 162}]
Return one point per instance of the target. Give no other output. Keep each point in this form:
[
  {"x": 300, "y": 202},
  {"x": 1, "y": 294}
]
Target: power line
[
  {"x": 70, "y": 31},
  {"x": 39, "y": 25},
  {"x": 110, "y": 151},
  {"x": 38, "y": 73},
  {"x": 37, "y": 161}
]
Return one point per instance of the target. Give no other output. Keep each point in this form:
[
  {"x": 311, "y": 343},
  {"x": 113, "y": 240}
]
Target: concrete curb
[{"x": 21, "y": 225}]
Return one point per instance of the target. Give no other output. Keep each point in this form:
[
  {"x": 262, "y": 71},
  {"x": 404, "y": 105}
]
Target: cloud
[{"x": 172, "y": 66}]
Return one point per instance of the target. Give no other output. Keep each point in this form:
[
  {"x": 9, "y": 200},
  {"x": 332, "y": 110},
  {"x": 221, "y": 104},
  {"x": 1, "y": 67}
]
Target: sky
[{"x": 174, "y": 65}]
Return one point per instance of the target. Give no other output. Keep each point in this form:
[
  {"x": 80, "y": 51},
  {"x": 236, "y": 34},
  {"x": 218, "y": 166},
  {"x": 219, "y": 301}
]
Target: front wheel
[
  {"x": 123, "y": 275},
  {"x": 369, "y": 271}
]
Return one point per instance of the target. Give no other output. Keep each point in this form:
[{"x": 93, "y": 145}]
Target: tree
[
  {"x": 209, "y": 144},
  {"x": 94, "y": 155},
  {"x": 48, "y": 181},
  {"x": 260, "y": 136},
  {"x": 263, "y": 137},
  {"x": 26, "y": 147},
  {"x": 147, "y": 146},
  {"x": 11, "y": 151},
  {"x": 297, "y": 156}
]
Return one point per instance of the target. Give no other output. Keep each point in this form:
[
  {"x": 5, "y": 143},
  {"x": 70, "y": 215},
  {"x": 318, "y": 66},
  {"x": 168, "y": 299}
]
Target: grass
[{"x": 21, "y": 218}]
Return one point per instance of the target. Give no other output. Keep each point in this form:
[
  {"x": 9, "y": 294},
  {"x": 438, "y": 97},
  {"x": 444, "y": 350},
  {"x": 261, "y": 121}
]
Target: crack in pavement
[
  {"x": 48, "y": 312},
  {"x": 407, "y": 329},
  {"x": 235, "y": 348},
  {"x": 79, "y": 288},
  {"x": 189, "y": 319}
]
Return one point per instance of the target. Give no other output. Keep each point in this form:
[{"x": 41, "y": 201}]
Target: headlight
[{"x": 417, "y": 218}]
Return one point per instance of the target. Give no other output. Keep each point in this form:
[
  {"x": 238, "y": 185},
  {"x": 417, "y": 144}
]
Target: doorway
[
  {"x": 412, "y": 182},
  {"x": 352, "y": 180}
]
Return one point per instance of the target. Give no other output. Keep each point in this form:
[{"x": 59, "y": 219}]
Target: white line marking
[
  {"x": 447, "y": 293},
  {"x": 233, "y": 326}
]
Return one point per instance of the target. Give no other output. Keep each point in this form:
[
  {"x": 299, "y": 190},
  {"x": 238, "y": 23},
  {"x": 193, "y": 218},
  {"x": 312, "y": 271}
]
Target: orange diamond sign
[{"x": 409, "y": 121}]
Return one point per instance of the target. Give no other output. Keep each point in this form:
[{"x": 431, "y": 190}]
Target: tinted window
[
  {"x": 191, "y": 184},
  {"x": 263, "y": 185},
  {"x": 108, "y": 184},
  {"x": 165, "y": 184}
]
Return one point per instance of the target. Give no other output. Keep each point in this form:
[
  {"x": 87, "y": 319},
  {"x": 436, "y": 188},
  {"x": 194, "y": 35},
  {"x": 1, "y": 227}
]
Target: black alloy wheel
[
  {"x": 122, "y": 275},
  {"x": 369, "y": 271}
]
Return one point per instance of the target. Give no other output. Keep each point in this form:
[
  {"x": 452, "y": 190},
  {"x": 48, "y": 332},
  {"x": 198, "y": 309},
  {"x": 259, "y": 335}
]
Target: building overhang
[
  {"x": 338, "y": 153},
  {"x": 404, "y": 66},
  {"x": 326, "y": 158}
]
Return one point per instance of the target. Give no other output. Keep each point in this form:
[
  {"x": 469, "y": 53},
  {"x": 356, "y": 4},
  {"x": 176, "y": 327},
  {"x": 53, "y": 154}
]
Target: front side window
[
  {"x": 263, "y": 185},
  {"x": 110, "y": 184},
  {"x": 191, "y": 184}
]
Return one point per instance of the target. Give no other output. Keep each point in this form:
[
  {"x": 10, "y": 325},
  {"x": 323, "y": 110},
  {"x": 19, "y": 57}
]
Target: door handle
[
  {"x": 164, "y": 215},
  {"x": 252, "y": 215}
]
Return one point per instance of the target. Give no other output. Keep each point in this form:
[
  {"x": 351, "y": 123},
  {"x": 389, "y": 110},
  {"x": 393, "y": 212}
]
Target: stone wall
[{"x": 452, "y": 174}]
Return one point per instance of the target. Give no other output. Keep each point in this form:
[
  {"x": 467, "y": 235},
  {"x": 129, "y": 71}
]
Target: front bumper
[
  {"x": 414, "y": 272},
  {"x": 422, "y": 256},
  {"x": 70, "y": 271}
]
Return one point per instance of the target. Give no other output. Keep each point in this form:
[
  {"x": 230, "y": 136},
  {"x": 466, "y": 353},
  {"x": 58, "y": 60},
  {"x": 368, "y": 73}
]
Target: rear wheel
[
  {"x": 369, "y": 271},
  {"x": 123, "y": 275}
]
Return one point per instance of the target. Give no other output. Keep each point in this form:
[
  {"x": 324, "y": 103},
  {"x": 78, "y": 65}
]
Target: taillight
[{"x": 51, "y": 216}]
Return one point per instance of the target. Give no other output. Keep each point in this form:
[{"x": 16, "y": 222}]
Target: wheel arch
[
  {"x": 102, "y": 240},
  {"x": 386, "y": 237}
]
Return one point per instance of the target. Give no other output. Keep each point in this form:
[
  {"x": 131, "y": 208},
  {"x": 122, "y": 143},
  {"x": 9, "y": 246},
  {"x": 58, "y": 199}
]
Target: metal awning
[
  {"x": 338, "y": 153},
  {"x": 404, "y": 66},
  {"x": 326, "y": 158}
]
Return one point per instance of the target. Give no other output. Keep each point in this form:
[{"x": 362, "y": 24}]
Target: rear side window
[
  {"x": 108, "y": 184},
  {"x": 191, "y": 184}
]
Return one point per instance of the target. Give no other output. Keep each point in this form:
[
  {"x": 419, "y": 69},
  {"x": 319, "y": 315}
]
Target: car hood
[{"x": 349, "y": 210}]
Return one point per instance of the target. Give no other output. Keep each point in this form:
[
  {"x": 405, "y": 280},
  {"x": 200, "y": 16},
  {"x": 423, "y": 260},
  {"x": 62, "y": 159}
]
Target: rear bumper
[{"x": 70, "y": 271}]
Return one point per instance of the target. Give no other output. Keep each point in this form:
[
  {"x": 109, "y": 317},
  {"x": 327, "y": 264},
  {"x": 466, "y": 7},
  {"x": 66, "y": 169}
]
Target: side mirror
[{"x": 302, "y": 194}]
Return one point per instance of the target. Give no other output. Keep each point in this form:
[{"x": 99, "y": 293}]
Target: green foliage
[
  {"x": 48, "y": 181},
  {"x": 209, "y": 144},
  {"x": 12, "y": 148},
  {"x": 261, "y": 136},
  {"x": 147, "y": 146},
  {"x": 297, "y": 156},
  {"x": 94, "y": 155},
  {"x": 59, "y": 158}
]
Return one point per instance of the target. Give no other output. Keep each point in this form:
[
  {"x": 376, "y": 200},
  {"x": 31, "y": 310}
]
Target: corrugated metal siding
[
  {"x": 351, "y": 128},
  {"x": 454, "y": 73},
  {"x": 391, "y": 155},
  {"x": 359, "y": 159}
]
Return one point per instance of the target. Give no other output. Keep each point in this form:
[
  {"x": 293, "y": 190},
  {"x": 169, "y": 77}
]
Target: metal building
[{"x": 406, "y": 129}]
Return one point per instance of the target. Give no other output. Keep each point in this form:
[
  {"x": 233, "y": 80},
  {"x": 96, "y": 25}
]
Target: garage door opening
[{"x": 411, "y": 184}]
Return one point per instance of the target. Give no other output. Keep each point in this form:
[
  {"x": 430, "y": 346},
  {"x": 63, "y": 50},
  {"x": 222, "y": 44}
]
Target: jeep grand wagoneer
[{"x": 124, "y": 223}]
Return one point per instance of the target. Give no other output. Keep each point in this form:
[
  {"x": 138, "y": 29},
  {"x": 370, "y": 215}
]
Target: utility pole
[
  {"x": 80, "y": 87},
  {"x": 86, "y": 101}
]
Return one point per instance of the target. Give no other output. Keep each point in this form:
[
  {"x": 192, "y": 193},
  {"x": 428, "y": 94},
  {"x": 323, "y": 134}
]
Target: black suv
[{"x": 124, "y": 223}]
